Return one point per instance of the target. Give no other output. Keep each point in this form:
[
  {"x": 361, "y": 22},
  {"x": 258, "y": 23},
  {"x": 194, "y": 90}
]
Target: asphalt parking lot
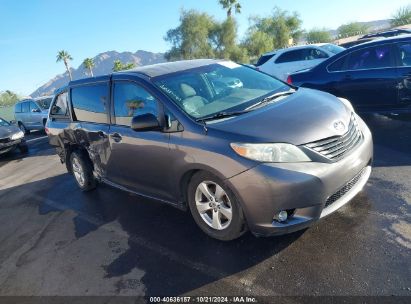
[{"x": 56, "y": 240}]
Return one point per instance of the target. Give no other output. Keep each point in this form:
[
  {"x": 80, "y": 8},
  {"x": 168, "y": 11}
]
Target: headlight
[
  {"x": 18, "y": 135},
  {"x": 272, "y": 153},
  {"x": 347, "y": 103}
]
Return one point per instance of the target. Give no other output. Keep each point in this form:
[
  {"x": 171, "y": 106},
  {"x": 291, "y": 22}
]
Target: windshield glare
[
  {"x": 220, "y": 87},
  {"x": 333, "y": 48},
  {"x": 44, "y": 103},
  {"x": 3, "y": 123}
]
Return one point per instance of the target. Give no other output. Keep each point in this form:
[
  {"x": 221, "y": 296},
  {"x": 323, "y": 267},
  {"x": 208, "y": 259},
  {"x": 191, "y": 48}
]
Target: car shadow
[
  {"x": 392, "y": 139},
  {"x": 164, "y": 242}
]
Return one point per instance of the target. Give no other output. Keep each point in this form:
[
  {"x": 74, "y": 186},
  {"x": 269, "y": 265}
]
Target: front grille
[
  {"x": 346, "y": 188},
  {"x": 5, "y": 140},
  {"x": 336, "y": 147}
]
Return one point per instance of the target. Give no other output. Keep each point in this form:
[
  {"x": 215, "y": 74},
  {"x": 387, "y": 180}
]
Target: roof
[
  {"x": 160, "y": 69},
  {"x": 400, "y": 38},
  {"x": 297, "y": 47},
  {"x": 153, "y": 70}
]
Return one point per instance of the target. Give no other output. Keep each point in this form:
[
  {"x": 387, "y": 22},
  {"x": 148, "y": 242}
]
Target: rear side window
[
  {"x": 263, "y": 59},
  {"x": 60, "y": 108},
  {"x": 370, "y": 58},
  {"x": 17, "y": 108},
  {"x": 33, "y": 106},
  {"x": 290, "y": 56},
  {"x": 131, "y": 100},
  {"x": 311, "y": 54},
  {"x": 90, "y": 102},
  {"x": 25, "y": 108},
  {"x": 404, "y": 54}
]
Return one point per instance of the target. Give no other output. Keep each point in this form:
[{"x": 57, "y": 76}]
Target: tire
[
  {"x": 82, "y": 171},
  {"x": 214, "y": 218},
  {"x": 23, "y": 129},
  {"x": 24, "y": 148}
]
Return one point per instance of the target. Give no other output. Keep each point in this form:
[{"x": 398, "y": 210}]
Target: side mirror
[
  {"x": 145, "y": 122},
  {"x": 35, "y": 110}
]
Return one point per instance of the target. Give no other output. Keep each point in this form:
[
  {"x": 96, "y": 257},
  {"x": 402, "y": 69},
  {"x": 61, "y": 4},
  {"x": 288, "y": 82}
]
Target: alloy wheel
[
  {"x": 78, "y": 171},
  {"x": 213, "y": 205}
]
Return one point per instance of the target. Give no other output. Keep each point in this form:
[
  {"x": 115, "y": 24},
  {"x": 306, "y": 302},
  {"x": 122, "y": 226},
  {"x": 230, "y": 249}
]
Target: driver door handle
[{"x": 116, "y": 137}]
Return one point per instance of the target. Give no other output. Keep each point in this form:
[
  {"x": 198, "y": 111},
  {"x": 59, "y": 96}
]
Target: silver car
[{"x": 31, "y": 114}]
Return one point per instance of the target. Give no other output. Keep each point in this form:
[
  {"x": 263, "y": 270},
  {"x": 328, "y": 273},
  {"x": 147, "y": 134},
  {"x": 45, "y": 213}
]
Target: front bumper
[
  {"x": 8, "y": 146},
  {"x": 309, "y": 190}
]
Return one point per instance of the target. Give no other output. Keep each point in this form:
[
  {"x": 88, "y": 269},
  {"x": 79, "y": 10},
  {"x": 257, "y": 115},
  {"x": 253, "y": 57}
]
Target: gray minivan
[
  {"x": 263, "y": 155},
  {"x": 31, "y": 114}
]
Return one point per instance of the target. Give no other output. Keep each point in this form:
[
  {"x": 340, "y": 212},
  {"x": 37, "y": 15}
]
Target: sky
[{"x": 33, "y": 31}]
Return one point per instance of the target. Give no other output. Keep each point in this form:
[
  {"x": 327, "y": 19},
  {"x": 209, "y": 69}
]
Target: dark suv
[{"x": 257, "y": 155}]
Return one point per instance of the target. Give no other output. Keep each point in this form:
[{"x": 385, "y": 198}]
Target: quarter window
[
  {"x": 338, "y": 65},
  {"x": 131, "y": 100},
  {"x": 90, "y": 103},
  {"x": 60, "y": 108}
]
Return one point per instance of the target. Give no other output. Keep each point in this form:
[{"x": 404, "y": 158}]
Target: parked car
[
  {"x": 281, "y": 63},
  {"x": 31, "y": 114},
  {"x": 11, "y": 137},
  {"x": 264, "y": 156},
  {"x": 357, "y": 42},
  {"x": 375, "y": 76},
  {"x": 388, "y": 33}
]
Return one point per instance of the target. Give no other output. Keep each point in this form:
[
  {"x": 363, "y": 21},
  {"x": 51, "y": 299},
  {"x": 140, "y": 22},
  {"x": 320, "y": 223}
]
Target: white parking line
[{"x": 35, "y": 139}]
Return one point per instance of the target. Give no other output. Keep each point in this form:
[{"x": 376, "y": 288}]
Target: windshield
[
  {"x": 44, "y": 103},
  {"x": 3, "y": 123},
  {"x": 333, "y": 48},
  {"x": 219, "y": 87}
]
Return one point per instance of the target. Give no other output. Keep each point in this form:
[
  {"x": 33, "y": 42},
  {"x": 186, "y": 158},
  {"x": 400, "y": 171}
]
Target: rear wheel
[
  {"x": 23, "y": 128},
  {"x": 82, "y": 171},
  {"x": 215, "y": 208}
]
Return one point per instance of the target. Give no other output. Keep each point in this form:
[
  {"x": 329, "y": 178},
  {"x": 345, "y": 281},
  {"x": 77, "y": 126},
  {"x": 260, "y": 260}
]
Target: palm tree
[
  {"x": 229, "y": 5},
  {"x": 88, "y": 63},
  {"x": 65, "y": 57}
]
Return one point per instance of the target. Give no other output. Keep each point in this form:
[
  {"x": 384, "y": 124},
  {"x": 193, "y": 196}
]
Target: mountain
[
  {"x": 373, "y": 26},
  {"x": 103, "y": 65}
]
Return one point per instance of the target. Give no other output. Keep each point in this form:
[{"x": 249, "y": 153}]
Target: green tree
[
  {"x": 258, "y": 43},
  {"x": 65, "y": 57},
  {"x": 280, "y": 28},
  {"x": 192, "y": 38},
  {"x": 8, "y": 98},
  {"x": 88, "y": 64},
  {"x": 229, "y": 5},
  {"x": 119, "y": 66},
  {"x": 318, "y": 36},
  {"x": 352, "y": 29},
  {"x": 224, "y": 41},
  {"x": 402, "y": 16}
]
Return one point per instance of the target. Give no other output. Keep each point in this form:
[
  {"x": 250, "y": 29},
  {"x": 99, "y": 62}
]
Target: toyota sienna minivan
[{"x": 263, "y": 156}]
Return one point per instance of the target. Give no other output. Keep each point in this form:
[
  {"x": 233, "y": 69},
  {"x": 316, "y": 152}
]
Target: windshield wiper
[
  {"x": 271, "y": 98},
  {"x": 220, "y": 115}
]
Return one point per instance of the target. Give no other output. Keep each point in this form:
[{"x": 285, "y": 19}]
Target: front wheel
[
  {"x": 23, "y": 129},
  {"x": 82, "y": 171},
  {"x": 215, "y": 208}
]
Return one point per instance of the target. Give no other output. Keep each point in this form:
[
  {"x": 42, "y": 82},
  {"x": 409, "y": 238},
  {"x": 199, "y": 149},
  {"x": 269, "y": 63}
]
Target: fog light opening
[{"x": 283, "y": 215}]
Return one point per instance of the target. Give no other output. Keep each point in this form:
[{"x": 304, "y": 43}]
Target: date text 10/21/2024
[{"x": 203, "y": 299}]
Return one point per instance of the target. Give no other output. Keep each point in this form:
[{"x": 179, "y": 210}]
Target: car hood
[
  {"x": 303, "y": 117},
  {"x": 8, "y": 131}
]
